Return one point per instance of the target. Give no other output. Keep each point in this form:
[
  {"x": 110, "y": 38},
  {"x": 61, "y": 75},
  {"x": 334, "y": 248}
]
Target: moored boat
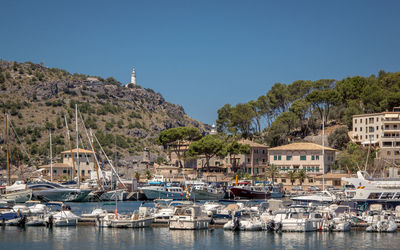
[
  {"x": 251, "y": 192},
  {"x": 189, "y": 218},
  {"x": 48, "y": 191}
]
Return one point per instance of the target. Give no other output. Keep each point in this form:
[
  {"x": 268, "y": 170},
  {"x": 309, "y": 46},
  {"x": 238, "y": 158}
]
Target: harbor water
[{"x": 91, "y": 237}]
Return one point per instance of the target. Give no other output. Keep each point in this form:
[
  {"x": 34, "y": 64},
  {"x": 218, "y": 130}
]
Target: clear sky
[{"x": 204, "y": 54}]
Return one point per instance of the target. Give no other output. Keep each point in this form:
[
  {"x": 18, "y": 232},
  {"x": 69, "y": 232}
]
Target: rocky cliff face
[{"x": 126, "y": 120}]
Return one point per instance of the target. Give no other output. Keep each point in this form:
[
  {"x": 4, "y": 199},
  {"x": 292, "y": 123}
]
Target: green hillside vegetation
[
  {"x": 125, "y": 120},
  {"x": 296, "y": 110}
]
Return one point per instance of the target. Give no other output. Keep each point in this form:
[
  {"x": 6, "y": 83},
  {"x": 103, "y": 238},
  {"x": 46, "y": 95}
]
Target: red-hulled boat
[{"x": 251, "y": 192}]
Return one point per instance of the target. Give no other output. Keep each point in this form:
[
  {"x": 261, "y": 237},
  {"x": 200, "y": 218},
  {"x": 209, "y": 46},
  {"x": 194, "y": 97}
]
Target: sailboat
[{"x": 17, "y": 192}]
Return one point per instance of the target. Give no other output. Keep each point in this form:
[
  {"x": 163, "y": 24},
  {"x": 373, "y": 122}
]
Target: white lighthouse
[{"x": 133, "y": 77}]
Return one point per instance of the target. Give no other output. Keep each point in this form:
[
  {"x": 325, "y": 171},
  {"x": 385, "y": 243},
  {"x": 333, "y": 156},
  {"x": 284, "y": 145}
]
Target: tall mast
[
  {"x": 51, "y": 159},
  {"x": 323, "y": 153},
  {"x": 70, "y": 148},
  {"x": 77, "y": 146},
  {"x": 95, "y": 160},
  {"x": 8, "y": 153}
]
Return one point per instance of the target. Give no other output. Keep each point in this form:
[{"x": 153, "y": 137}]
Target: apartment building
[
  {"x": 380, "y": 130},
  {"x": 254, "y": 163}
]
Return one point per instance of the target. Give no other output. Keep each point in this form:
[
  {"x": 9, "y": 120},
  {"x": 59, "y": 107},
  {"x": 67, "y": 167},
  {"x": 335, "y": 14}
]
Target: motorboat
[
  {"x": 295, "y": 219},
  {"x": 96, "y": 213},
  {"x": 189, "y": 218},
  {"x": 136, "y": 220},
  {"x": 63, "y": 218},
  {"x": 48, "y": 191},
  {"x": 323, "y": 197},
  {"x": 165, "y": 209},
  {"x": 251, "y": 192},
  {"x": 385, "y": 191},
  {"x": 36, "y": 220},
  {"x": 244, "y": 222},
  {"x": 383, "y": 222},
  {"x": 163, "y": 192},
  {"x": 203, "y": 192},
  {"x": 17, "y": 192}
]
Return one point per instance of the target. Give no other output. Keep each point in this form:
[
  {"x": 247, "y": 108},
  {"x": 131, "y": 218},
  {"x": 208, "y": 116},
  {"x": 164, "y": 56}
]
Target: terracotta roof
[
  {"x": 252, "y": 143},
  {"x": 301, "y": 146},
  {"x": 57, "y": 165},
  {"x": 80, "y": 151},
  {"x": 333, "y": 176}
]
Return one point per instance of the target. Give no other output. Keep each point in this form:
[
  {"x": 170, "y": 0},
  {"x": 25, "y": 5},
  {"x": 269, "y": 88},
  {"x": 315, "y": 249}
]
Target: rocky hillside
[{"x": 125, "y": 119}]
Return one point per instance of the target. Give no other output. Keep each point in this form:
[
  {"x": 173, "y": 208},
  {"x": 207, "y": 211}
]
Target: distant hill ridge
[{"x": 125, "y": 120}]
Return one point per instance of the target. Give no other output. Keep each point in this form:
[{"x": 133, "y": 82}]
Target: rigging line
[
  {"x": 91, "y": 143},
  {"x": 109, "y": 162},
  {"x": 86, "y": 131},
  {"x": 22, "y": 145}
]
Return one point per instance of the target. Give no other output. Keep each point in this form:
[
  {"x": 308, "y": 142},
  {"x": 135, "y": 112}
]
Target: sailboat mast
[
  {"x": 8, "y": 153},
  {"x": 70, "y": 148},
  {"x": 51, "y": 159},
  {"x": 95, "y": 160},
  {"x": 323, "y": 153},
  {"x": 77, "y": 145}
]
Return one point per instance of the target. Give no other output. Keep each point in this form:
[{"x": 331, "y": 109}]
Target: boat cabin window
[
  {"x": 374, "y": 195},
  {"x": 387, "y": 195}
]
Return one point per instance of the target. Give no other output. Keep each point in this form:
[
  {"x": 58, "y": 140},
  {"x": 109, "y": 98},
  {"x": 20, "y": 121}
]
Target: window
[
  {"x": 248, "y": 160},
  {"x": 64, "y": 171},
  {"x": 312, "y": 157},
  {"x": 288, "y": 157},
  {"x": 275, "y": 157},
  {"x": 263, "y": 160},
  {"x": 263, "y": 151},
  {"x": 360, "y": 136},
  {"x": 303, "y": 157},
  {"x": 377, "y": 119},
  {"x": 317, "y": 169},
  {"x": 283, "y": 180},
  {"x": 360, "y": 120},
  {"x": 257, "y": 161},
  {"x": 87, "y": 163},
  {"x": 355, "y": 121},
  {"x": 355, "y": 129},
  {"x": 317, "y": 157},
  {"x": 54, "y": 171},
  {"x": 83, "y": 172},
  {"x": 377, "y": 127},
  {"x": 256, "y": 151},
  {"x": 360, "y": 129}
]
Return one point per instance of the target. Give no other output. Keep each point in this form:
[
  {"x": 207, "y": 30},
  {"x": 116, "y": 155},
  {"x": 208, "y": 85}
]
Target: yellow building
[{"x": 303, "y": 155}]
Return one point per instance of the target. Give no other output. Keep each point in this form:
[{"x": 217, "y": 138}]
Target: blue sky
[{"x": 204, "y": 54}]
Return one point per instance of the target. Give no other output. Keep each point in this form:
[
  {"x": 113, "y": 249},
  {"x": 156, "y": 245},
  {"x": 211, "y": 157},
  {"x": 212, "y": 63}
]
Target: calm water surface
[{"x": 90, "y": 237}]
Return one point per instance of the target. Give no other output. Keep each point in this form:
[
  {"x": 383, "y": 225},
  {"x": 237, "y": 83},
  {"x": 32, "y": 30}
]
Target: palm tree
[
  {"x": 272, "y": 172},
  {"x": 148, "y": 175},
  {"x": 292, "y": 176},
  {"x": 137, "y": 176},
  {"x": 301, "y": 175}
]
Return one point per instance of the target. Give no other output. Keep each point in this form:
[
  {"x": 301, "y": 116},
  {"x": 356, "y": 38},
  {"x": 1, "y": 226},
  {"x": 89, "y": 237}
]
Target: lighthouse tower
[{"x": 133, "y": 77}]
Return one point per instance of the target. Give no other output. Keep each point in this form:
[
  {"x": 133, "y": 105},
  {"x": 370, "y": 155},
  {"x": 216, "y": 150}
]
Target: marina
[{"x": 86, "y": 235}]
